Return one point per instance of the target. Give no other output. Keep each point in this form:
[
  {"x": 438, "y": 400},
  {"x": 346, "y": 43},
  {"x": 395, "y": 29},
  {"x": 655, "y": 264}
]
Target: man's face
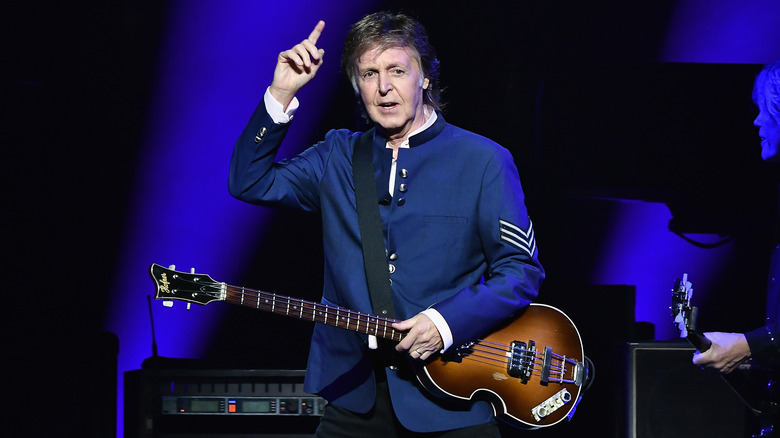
[
  {"x": 391, "y": 87},
  {"x": 769, "y": 131}
]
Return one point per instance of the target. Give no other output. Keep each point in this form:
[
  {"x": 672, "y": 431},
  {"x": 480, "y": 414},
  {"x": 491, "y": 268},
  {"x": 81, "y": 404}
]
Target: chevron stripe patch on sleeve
[{"x": 519, "y": 238}]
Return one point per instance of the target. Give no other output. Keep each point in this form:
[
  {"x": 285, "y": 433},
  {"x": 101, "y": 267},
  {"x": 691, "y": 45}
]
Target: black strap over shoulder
[{"x": 374, "y": 252}]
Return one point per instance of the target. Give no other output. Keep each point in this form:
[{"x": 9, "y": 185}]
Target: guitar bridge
[{"x": 521, "y": 360}]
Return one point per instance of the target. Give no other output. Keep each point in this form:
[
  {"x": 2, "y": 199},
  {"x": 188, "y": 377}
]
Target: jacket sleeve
[
  {"x": 514, "y": 274},
  {"x": 257, "y": 178},
  {"x": 764, "y": 344},
  {"x": 764, "y": 341}
]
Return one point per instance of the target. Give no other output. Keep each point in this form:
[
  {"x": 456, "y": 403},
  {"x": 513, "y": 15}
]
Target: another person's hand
[
  {"x": 422, "y": 339},
  {"x": 727, "y": 352},
  {"x": 297, "y": 66}
]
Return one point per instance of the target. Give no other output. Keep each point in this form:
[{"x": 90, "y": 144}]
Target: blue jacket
[
  {"x": 764, "y": 341},
  {"x": 457, "y": 234}
]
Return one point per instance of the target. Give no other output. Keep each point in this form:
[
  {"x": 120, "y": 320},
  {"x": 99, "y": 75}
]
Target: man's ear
[{"x": 425, "y": 83}]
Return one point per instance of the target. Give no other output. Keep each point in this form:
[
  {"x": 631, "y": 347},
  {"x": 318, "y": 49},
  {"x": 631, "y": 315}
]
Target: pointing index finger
[{"x": 315, "y": 34}]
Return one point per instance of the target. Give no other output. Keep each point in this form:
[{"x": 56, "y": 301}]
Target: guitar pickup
[{"x": 521, "y": 360}]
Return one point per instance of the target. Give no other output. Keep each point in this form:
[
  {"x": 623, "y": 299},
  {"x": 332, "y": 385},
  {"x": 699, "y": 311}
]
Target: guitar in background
[{"x": 752, "y": 383}]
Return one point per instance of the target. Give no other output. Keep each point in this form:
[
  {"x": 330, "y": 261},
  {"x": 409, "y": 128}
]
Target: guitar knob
[{"x": 168, "y": 303}]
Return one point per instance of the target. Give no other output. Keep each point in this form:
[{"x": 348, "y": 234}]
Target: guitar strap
[{"x": 373, "y": 242}]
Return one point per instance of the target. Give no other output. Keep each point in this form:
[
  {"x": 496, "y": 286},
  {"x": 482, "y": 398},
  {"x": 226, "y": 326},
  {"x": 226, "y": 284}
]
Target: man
[
  {"x": 729, "y": 350},
  {"x": 458, "y": 241}
]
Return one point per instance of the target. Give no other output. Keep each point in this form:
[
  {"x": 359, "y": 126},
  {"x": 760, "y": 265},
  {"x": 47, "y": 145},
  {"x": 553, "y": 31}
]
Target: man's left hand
[{"x": 422, "y": 339}]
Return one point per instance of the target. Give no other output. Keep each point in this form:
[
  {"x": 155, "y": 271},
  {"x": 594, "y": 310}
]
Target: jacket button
[
  {"x": 393, "y": 257},
  {"x": 403, "y": 173},
  {"x": 391, "y": 268},
  {"x": 403, "y": 188},
  {"x": 401, "y": 201},
  {"x": 260, "y": 135}
]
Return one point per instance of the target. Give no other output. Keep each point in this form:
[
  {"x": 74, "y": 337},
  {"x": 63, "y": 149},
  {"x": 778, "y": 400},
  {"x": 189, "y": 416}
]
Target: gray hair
[
  {"x": 766, "y": 90},
  {"x": 385, "y": 30}
]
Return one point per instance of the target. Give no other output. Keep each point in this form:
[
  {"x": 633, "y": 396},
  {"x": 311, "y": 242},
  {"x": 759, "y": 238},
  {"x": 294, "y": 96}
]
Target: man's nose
[{"x": 385, "y": 84}]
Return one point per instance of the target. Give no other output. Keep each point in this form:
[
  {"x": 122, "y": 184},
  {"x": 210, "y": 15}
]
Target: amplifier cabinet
[{"x": 669, "y": 397}]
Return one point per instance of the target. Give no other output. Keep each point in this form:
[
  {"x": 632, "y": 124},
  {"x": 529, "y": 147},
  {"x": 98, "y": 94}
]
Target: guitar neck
[
  {"x": 317, "y": 312},
  {"x": 698, "y": 340}
]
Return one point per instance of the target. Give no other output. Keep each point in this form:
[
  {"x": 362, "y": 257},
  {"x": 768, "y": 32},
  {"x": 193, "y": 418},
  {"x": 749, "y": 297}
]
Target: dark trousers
[{"x": 380, "y": 422}]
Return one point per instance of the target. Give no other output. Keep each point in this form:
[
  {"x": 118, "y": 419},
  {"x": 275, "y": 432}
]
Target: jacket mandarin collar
[{"x": 380, "y": 140}]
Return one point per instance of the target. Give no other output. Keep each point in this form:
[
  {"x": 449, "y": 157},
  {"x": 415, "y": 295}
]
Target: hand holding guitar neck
[{"x": 724, "y": 353}]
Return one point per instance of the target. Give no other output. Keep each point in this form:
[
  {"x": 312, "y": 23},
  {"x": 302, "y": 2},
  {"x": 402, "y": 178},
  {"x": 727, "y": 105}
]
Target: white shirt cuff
[
  {"x": 276, "y": 110},
  {"x": 441, "y": 325}
]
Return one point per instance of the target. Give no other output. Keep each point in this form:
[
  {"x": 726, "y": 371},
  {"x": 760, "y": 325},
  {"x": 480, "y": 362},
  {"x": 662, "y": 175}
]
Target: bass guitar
[
  {"x": 753, "y": 384},
  {"x": 532, "y": 369}
]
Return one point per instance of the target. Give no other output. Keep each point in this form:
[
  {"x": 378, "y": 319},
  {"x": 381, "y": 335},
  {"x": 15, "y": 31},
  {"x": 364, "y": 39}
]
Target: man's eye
[
  {"x": 368, "y": 74},
  {"x": 398, "y": 72}
]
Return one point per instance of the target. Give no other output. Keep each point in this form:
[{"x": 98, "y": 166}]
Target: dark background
[{"x": 591, "y": 116}]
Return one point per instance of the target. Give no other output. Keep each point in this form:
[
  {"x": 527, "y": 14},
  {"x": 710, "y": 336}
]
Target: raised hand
[{"x": 297, "y": 66}]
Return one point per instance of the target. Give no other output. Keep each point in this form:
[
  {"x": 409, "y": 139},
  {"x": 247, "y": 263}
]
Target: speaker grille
[{"x": 669, "y": 397}]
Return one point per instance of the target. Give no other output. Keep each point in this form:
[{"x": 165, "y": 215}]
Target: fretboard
[{"x": 317, "y": 312}]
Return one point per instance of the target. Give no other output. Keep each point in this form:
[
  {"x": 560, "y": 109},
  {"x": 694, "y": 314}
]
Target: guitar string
[
  {"x": 557, "y": 371},
  {"x": 492, "y": 353},
  {"x": 318, "y": 312},
  {"x": 300, "y": 306},
  {"x": 557, "y": 366},
  {"x": 504, "y": 352}
]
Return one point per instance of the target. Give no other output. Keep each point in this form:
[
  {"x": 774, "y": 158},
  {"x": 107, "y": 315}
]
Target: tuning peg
[
  {"x": 172, "y": 267},
  {"x": 192, "y": 271}
]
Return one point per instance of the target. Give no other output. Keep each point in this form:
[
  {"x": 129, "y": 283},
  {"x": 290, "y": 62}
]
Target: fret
[{"x": 335, "y": 316}]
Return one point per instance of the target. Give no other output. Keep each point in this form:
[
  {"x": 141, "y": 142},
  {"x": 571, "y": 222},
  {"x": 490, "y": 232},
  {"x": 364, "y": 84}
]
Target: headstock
[
  {"x": 685, "y": 314},
  {"x": 182, "y": 286}
]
